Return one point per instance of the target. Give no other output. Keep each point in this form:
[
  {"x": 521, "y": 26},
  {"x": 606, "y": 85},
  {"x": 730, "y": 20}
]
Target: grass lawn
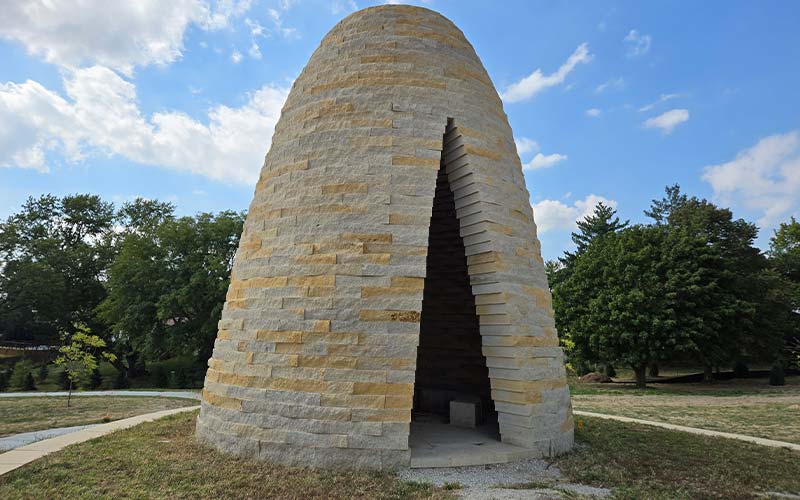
[
  {"x": 28, "y": 414},
  {"x": 746, "y": 407},
  {"x": 735, "y": 387},
  {"x": 645, "y": 462},
  {"x": 162, "y": 460}
]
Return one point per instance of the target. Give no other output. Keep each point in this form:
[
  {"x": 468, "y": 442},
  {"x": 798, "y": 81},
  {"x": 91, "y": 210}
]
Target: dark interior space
[{"x": 450, "y": 365}]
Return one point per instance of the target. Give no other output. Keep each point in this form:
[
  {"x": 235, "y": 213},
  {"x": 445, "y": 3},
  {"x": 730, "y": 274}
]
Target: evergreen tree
[
  {"x": 601, "y": 221},
  {"x": 660, "y": 210}
]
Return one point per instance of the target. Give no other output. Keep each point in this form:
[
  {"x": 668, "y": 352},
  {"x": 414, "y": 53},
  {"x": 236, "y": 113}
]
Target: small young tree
[{"x": 79, "y": 354}]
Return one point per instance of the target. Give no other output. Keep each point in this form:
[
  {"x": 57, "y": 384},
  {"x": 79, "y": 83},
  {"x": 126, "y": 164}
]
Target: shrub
[
  {"x": 740, "y": 370},
  {"x": 43, "y": 373},
  {"x": 95, "y": 379},
  {"x": 776, "y": 376},
  {"x": 3, "y": 381},
  {"x": 159, "y": 376},
  {"x": 122, "y": 381},
  {"x": 29, "y": 383},
  {"x": 19, "y": 376},
  {"x": 610, "y": 371}
]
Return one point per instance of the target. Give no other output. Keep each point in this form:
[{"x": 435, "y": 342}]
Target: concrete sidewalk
[
  {"x": 16, "y": 440},
  {"x": 26, "y": 454},
  {"x": 693, "y": 430},
  {"x": 152, "y": 394}
]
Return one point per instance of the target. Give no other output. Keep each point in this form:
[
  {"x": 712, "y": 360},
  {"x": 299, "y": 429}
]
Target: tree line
[
  {"x": 147, "y": 282},
  {"x": 689, "y": 287}
]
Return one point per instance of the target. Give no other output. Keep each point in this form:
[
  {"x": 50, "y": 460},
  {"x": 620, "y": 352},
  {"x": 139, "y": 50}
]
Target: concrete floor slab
[{"x": 437, "y": 444}]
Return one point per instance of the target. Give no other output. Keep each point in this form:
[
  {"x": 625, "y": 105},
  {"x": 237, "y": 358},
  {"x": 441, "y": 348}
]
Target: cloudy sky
[{"x": 609, "y": 101}]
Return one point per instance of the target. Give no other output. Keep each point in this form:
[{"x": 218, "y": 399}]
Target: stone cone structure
[{"x": 317, "y": 354}]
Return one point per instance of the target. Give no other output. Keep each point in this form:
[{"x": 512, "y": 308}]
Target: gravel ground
[{"x": 485, "y": 482}]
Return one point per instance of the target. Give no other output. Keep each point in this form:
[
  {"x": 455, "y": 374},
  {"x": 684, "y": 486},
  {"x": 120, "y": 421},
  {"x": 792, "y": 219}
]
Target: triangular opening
[{"x": 450, "y": 364}]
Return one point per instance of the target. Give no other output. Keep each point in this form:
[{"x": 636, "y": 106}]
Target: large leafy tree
[
  {"x": 54, "y": 255},
  {"x": 167, "y": 286},
  {"x": 728, "y": 324},
  {"x": 618, "y": 300},
  {"x": 784, "y": 260}
]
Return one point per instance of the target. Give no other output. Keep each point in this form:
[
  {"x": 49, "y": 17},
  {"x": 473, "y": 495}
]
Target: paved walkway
[
  {"x": 153, "y": 394},
  {"x": 26, "y": 454},
  {"x": 21, "y": 439},
  {"x": 693, "y": 430}
]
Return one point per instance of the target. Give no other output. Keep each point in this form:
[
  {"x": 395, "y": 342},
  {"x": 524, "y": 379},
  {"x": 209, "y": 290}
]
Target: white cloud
[
  {"x": 538, "y": 81},
  {"x": 553, "y": 214},
  {"x": 100, "y": 116},
  {"x": 661, "y": 98},
  {"x": 236, "y": 56},
  {"x": 254, "y": 51},
  {"x": 593, "y": 112},
  {"x": 613, "y": 84},
  {"x": 638, "y": 44},
  {"x": 525, "y": 145},
  {"x": 339, "y": 6},
  {"x": 668, "y": 120},
  {"x": 256, "y": 29},
  {"x": 543, "y": 161},
  {"x": 118, "y": 35},
  {"x": 764, "y": 177},
  {"x": 277, "y": 21}
]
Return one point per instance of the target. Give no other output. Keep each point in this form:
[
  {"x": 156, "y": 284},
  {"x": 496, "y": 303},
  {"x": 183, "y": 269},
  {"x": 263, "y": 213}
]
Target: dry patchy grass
[
  {"x": 27, "y": 414},
  {"x": 162, "y": 460}
]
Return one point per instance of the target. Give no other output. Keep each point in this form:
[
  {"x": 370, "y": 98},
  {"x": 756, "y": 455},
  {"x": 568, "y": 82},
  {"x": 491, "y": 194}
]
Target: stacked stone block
[{"x": 315, "y": 358}]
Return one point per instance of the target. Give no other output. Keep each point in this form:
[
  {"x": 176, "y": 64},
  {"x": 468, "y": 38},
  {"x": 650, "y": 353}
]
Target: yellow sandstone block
[
  {"x": 291, "y": 337},
  {"x": 351, "y": 187},
  {"x": 312, "y": 280},
  {"x": 380, "y": 315},
  {"x": 376, "y": 291},
  {"x": 408, "y": 282},
  {"x": 405, "y": 402},
  {"x": 221, "y": 401},
  {"x": 486, "y": 153},
  {"x": 309, "y": 361},
  {"x": 315, "y": 259}
]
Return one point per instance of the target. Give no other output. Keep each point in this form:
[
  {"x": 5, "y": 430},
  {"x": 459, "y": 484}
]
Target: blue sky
[{"x": 608, "y": 100}]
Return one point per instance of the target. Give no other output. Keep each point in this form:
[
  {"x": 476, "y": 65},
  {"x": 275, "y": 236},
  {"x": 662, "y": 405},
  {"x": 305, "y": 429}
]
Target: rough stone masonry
[{"x": 316, "y": 357}]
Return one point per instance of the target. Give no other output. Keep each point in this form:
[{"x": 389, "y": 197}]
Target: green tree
[
  {"x": 55, "y": 253},
  {"x": 660, "y": 210},
  {"x": 167, "y": 286},
  {"x": 21, "y": 375},
  {"x": 784, "y": 261},
  {"x": 79, "y": 356},
  {"x": 601, "y": 221},
  {"x": 618, "y": 300},
  {"x": 725, "y": 320}
]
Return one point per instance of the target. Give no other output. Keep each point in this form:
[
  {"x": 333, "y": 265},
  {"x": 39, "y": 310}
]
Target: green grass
[
  {"x": 780, "y": 421},
  {"x": 646, "y": 462},
  {"x": 27, "y": 414},
  {"x": 162, "y": 460},
  {"x": 735, "y": 387},
  {"x": 750, "y": 406}
]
